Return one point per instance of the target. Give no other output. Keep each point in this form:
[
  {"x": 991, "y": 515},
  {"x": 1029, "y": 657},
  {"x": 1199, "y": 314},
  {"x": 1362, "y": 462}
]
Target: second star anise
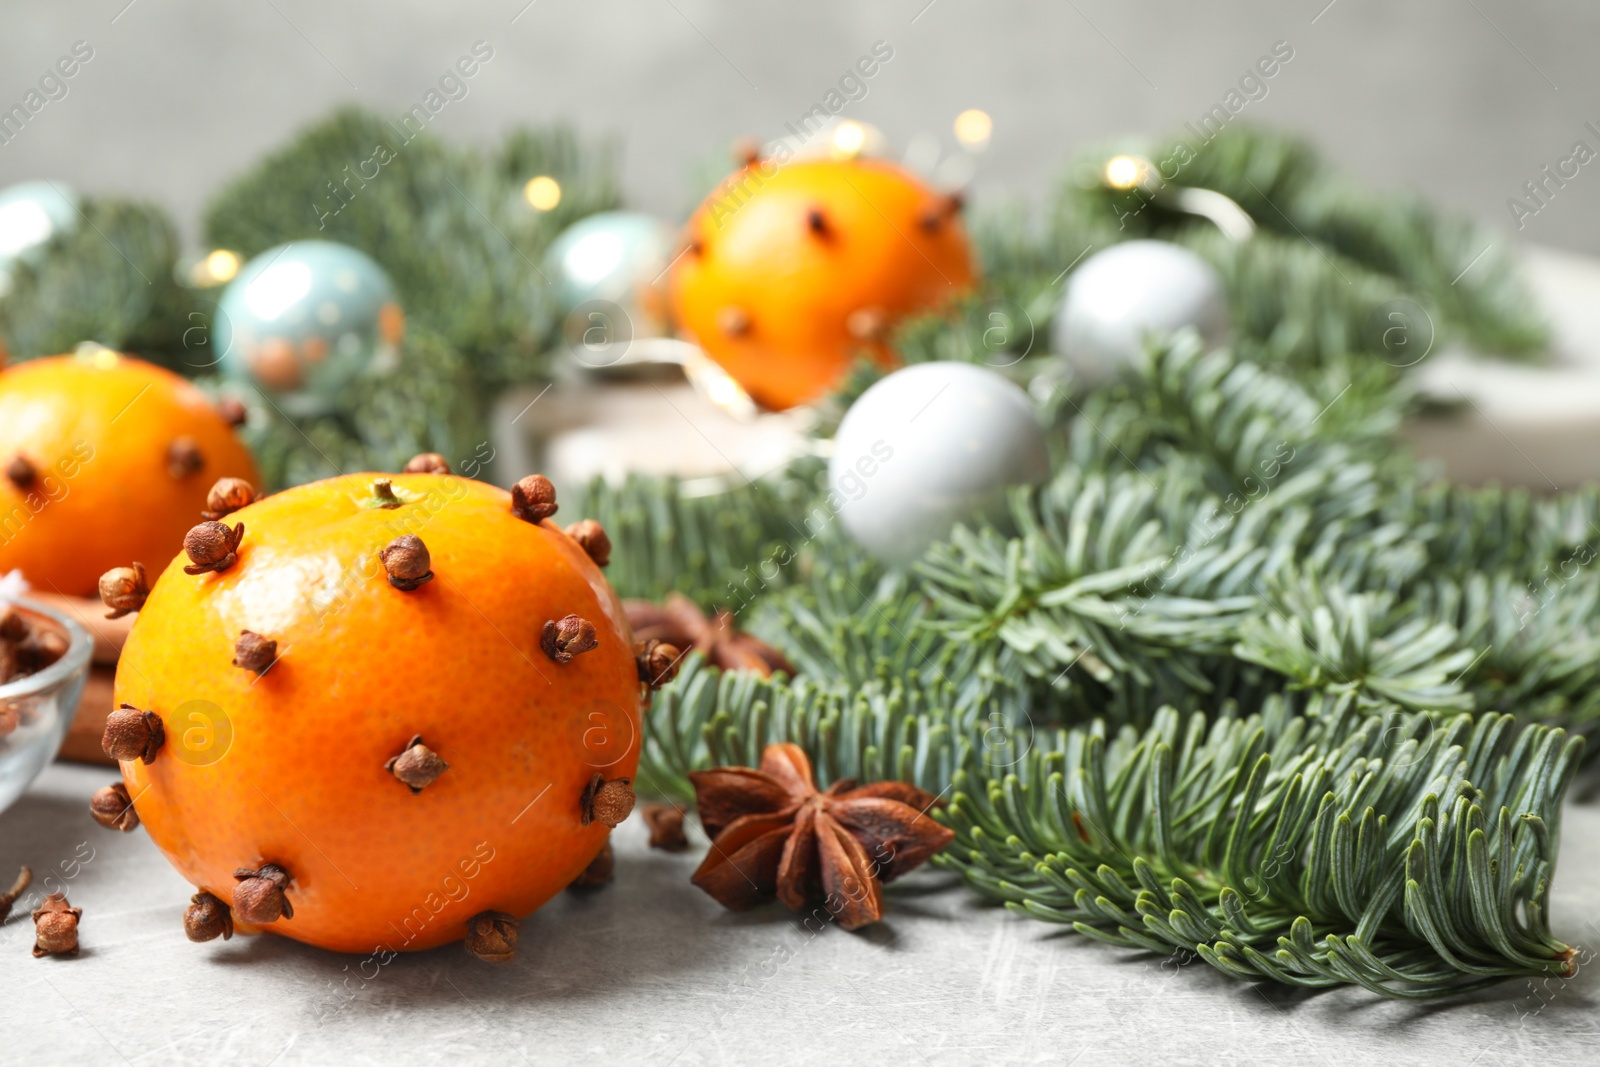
[
  {"x": 775, "y": 835},
  {"x": 679, "y": 621}
]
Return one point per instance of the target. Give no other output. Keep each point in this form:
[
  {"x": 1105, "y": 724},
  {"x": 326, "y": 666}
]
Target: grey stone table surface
[{"x": 650, "y": 971}]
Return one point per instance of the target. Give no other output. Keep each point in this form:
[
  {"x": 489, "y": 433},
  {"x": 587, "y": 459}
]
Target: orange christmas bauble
[{"x": 793, "y": 270}]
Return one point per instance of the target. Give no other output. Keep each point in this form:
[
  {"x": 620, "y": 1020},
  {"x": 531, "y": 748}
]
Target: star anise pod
[
  {"x": 774, "y": 835},
  {"x": 679, "y": 621}
]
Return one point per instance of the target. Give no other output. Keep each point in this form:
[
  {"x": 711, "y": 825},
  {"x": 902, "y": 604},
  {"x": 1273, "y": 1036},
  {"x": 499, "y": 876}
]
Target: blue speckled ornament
[
  {"x": 302, "y": 321},
  {"x": 617, "y": 258}
]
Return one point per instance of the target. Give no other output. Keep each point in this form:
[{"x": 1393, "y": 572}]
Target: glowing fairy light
[
  {"x": 1124, "y": 172},
  {"x": 542, "y": 193},
  {"x": 848, "y": 139},
  {"x": 213, "y": 268},
  {"x": 974, "y": 128},
  {"x": 221, "y": 266}
]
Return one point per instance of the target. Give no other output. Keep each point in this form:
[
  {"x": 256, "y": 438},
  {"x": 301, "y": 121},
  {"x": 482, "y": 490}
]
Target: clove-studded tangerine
[
  {"x": 107, "y": 460},
  {"x": 793, "y": 269},
  {"x": 415, "y": 759}
]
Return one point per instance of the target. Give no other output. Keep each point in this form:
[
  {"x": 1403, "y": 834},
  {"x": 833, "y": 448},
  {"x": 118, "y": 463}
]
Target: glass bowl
[{"x": 37, "y": 709}]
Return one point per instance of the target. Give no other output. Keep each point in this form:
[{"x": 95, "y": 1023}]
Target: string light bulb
[
  {"x": 222, "y": 265},
  {"x": 1124, "y": 172},
  {"x": 974, "y": 128},
  {"x": 848, "y": 140},
  {"x": 214, "y": 268},
  {"x": 542, "y": 192}
]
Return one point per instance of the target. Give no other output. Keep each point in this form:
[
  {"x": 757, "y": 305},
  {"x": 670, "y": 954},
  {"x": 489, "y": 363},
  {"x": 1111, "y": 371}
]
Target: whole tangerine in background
[
  {"x": 792, "y": 270},
  {"x": 104, "y": 460},
  {"x": 393, "y": 712}
]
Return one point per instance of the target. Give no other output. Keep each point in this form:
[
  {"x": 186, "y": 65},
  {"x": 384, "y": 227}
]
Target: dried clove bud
[
  {"x": 657, "y": 662},
  {"x": 207, "y": 918},
  {"x": 259, "y": 897},
  {"x": 254, "y": 652},
  {"x": 42, "y": 648},
  {"x": 124, "y": 589},
  {"x": 9, "y": 897},
  {"x": 212, "y": 546},
  {"x": 417, "y": 766},
  {"x": 184, "y": 459},
  {"x": 112, "y": 808},
  {"x": 592, "y": 538},
  {"x": 132, "y": 734},
  {"x": 947, "y": 207},
  {"x": 228, "y": 496},
  {"x": 868, "y": 324},
  {"x": 13, "y": 627},
  {"x": 599, "y": 873},
  {"x": 55, "y": 927},
  {"x": 666, "y": 827},
  {"x": 492, "y": 936},
  {"x": 25, "y": 648},
  {"x": 571, "y": 636},
  {"x": 607, "y": 800},
  {"x": 734, "y": 321},
  {"x": 427, "y": 463},
  {"x": 533, "y": 499},
  {"x": 233, "y": 411},
  {"x": 21, "y": 472},
  {"x": 407, "y": 562},
  {"x": 746, "y": 150}
]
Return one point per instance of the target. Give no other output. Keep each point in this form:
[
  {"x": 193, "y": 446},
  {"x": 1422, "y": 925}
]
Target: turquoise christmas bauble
[
  {"x": 302, "y": 321},
  {"x": 609, "y": 275}
]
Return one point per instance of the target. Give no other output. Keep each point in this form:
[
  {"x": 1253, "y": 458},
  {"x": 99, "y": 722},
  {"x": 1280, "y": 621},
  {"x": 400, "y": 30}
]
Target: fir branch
[
  {"x": 108, "y": 280},
  {"x": 874, "y": 732},
  {"x": 1322, "y": 636},
  {"x": 1406, "y": 853},
  {"x": 725, "y": 547}
]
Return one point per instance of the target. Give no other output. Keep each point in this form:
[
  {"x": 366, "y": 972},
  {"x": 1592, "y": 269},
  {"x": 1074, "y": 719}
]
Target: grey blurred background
[{"x": 1464, "y": 99}]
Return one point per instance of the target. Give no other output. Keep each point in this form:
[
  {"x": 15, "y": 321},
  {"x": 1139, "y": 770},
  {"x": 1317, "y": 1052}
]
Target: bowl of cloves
[{"x": 44, "y": 659}]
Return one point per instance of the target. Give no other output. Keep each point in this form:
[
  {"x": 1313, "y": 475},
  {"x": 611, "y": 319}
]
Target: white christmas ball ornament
[
  {"x": 930, "y": 446},
  {"x": 1121, "y": 296}
]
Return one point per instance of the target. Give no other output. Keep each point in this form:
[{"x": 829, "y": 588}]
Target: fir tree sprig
[
  {"x": 1409, "y": 853},
  {"x": 107, "y": 279}
]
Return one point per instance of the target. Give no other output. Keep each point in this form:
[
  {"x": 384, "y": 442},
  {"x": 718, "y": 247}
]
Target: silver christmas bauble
[
  {"x": 31, "y": 215},
  {"x": 927, "y": 447},
  {"x": 609, "y": 272},
  {"x": 1129, "y": 292},
  {"x": 303, "y": 320}
]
